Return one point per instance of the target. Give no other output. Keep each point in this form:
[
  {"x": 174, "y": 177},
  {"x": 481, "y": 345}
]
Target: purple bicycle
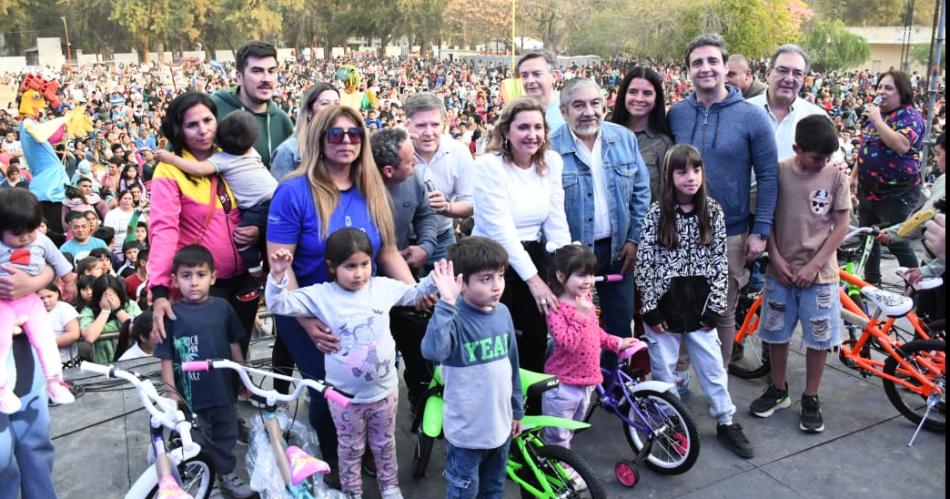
[{"x": 656, "y": 424}]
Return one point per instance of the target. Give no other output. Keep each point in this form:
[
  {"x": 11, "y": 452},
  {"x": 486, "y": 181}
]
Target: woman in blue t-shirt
[{"x": 336, "y": 185}]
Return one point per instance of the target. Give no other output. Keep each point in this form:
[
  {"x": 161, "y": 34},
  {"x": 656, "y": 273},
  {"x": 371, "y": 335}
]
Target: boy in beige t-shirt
[{"x": 811, "y": 220}]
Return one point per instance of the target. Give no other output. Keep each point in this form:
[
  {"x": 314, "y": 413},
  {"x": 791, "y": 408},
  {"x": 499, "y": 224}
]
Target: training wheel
[{"x": 627, "y": 474}]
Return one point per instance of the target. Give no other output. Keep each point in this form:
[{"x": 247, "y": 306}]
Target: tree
[
  {"x": 920, "y": 54},
  {"x": 753, "y": 28},
  {"x": 873, "y": 12},
  {"x": 833, "y": 47}
]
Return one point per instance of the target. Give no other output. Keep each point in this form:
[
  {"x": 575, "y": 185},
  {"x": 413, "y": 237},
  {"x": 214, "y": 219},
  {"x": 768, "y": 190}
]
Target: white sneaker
[
  {"x": 234, "y": 486},
  {"x": 58, "y": 391}
]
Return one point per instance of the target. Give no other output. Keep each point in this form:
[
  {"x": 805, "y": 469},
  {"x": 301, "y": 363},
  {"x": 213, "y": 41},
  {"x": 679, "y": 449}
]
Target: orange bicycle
[{"x": 912, "y": 369}]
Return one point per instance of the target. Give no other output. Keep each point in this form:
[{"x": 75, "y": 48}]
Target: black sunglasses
[{"x": 335, "y": 135}]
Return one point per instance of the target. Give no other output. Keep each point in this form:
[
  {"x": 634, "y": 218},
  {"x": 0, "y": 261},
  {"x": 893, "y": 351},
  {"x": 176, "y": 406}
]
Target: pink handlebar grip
[
  {"x": 336, "y": 397},
  {"x": 613, "y": 277},
  {"x": 195, "y": 365}
]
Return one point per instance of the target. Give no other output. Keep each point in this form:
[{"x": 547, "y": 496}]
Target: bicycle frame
[
  {"x": 271, "y": 424},
  {"x": 164, "y": 413},
  {"x": 873, "y": 328},
  {"x": 523, "y": 446}
]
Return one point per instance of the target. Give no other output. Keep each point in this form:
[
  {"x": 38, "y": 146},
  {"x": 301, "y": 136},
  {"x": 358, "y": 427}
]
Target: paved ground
[{"x": 101, "y": 447}]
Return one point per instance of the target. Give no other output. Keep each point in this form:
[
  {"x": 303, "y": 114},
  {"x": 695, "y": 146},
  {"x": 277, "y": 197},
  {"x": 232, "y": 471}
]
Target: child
[
  {"x": 101, "y": 320},
  {"x": 681, "y": 271},
  {"x": 205, "y": 327},
  {"x": 105, "y": 260},
  {"x": 131, "y": 254},
  {"x": 249, "y": 179},
  {"x": 90, "y": 266},
  {"x": 811, "y": 219},
  {"x": 64, "y": 320},
  {"x": 84, "y": 291},
  {"x": 82, "y": 242},
  {"x": 103, "y": 233},
  {"x": 483, "y": 404},
  {"x": 133, "y": 283},
  {"x": 356, "y": 307},
  {"x": 141, "y": 234},
  {"x": 24, "y": 248},
  {"x": 578, "y": 340},
  {"x": 137, "y": 334}
]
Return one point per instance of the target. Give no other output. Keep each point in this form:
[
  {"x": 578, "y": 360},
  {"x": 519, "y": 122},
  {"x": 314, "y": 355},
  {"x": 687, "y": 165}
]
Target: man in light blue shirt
[{"x": 538, "y": 71}]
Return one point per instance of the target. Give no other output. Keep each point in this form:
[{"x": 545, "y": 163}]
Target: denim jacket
[{"x": 628, "y": 183}]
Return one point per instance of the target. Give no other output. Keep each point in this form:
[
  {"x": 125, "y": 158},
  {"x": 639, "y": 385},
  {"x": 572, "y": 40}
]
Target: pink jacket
[
  {"x": 182, "y": 214},
  {"x": 578, "y": 341}
]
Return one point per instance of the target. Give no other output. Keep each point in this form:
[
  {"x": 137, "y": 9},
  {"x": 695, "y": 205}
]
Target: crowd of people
[{"x": 203, "y": 189}]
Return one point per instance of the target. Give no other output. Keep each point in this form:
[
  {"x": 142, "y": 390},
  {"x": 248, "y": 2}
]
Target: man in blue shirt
[
  {"x": 606, "y": 194},
  {"x": 538, "y": 71}
]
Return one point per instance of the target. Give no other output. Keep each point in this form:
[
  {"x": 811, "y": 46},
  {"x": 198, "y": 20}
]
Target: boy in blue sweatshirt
[{"x": 474, "y": 340}]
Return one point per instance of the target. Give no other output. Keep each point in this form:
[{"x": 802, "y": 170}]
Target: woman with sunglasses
[
  {"x": 336, "y": 186},
  {"x": 195, "y": 210},
  {"x": 287, "y": 155}
]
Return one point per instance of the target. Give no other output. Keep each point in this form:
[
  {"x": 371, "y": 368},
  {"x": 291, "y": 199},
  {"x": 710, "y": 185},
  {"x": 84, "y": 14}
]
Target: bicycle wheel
[
  {"x": 568, "y": 474},
  {"x": 676, "y": 447},
  {"x": 913, "y": 405},
  {"x": 197, "y": 477},
  {"x": 750, "y": 357},
  {"x": 422, "y": 454}
]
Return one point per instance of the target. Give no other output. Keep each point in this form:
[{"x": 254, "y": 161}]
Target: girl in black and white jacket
[{"x": 682, "y": 276}]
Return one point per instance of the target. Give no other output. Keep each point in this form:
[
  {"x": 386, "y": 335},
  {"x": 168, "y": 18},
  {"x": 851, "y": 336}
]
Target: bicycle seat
[
  {"x": 534, "y": 384},
  {"x": 891, "y": 304}
]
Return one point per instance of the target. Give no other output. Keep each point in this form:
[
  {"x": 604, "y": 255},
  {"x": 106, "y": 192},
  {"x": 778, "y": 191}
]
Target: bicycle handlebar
[
  {"x": 854, "y": 232},
  {"x": 271, "y": 396},
  {"x": 162, "y": 409},
  {"x": 609, "y": 278}
]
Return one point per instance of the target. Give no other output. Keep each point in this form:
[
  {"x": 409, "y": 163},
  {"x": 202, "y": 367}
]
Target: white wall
[{"x": 13, "y": 64}]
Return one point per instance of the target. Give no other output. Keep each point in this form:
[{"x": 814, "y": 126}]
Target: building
[{"x": 887, "y": 42}]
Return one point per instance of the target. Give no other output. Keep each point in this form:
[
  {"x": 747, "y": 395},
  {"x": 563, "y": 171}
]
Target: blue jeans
[
  {"x": 472, "y": 473},
  {"x": 310, "y": 362},
  {"x": 26, "y": 452},
  {"x": 616, "y": 299},
  {"x": 817, "y": 307}
]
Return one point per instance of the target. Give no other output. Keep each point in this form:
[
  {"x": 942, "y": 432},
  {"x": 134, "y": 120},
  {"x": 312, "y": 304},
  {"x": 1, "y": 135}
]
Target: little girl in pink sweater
[{"x": 578, "y": 340}]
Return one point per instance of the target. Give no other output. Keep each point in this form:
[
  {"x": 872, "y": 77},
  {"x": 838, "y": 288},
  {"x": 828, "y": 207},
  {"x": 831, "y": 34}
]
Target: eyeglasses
[
  {"x": 335, "y": 135},
  {"x": 785, "y": 72}
]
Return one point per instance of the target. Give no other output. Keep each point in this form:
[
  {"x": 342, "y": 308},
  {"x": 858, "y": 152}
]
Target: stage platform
[{"x": 101, "y": 445}]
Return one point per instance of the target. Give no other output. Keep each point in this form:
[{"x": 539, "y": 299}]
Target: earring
[{"x": 507, "y": 145}]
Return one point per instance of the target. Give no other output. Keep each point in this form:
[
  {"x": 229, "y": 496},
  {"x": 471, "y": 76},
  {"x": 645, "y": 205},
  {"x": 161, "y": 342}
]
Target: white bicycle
[
  {"x": 181, "y": 470},
  {"x": 288, "y": 471}
]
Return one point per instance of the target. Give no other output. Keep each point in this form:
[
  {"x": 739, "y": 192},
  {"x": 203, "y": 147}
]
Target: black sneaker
[
  {"x": 772, "y": 400},
  {"x": 811, "y": 421},
  {"x": 243, "y": 431},
  {"x": 369, "y": 464},
  {"x": 732, "y": 437}
]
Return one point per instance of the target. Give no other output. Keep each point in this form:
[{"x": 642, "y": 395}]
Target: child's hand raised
[
  {"x": 280, "y": 261},
  {"x": 448, "y": 284}
]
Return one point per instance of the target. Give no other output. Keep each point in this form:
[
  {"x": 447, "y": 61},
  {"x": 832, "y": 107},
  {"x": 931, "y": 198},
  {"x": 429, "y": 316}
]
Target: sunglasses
[{"x": 335, "y": 135}]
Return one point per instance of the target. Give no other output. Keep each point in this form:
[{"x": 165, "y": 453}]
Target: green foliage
[
  {"x": 920, "y": 54},
  {"x": 873, "y": 12},
  {"x": 833, "y": 47}
]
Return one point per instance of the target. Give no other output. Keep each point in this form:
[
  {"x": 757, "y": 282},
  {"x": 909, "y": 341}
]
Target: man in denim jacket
[{"x": 606, "y": 194}]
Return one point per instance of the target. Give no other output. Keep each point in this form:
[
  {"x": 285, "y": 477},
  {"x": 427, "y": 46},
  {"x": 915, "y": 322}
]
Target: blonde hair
[
  {"x": 363, "y": 174},
  {"x": 499, "y": 143}
]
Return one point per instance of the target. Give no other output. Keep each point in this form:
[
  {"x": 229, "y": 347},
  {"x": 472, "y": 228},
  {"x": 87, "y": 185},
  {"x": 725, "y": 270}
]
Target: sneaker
[
  {"x": 243, "y": 431},
  {"x": 735, "y": 440},
  {"x": 234, "y": 486},
  {"x": 369, "y": 464},
  {"x": 9, "y": 402},
  {"x": 811, "y": 421},
  {"x": 772, "y": 400},
  {"x": 58, "y": 391},
  {"x": 392, "y": 492},
  {"x": 682, "y": 383}
]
